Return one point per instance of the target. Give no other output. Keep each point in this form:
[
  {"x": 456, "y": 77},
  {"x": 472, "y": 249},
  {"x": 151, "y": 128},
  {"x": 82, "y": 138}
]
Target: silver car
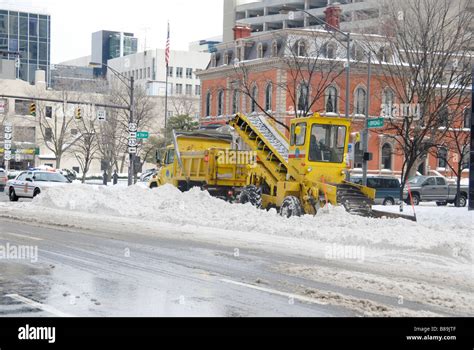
[
  {"x": 29, "y": 184},
  {"x": 3, "y": 179}
]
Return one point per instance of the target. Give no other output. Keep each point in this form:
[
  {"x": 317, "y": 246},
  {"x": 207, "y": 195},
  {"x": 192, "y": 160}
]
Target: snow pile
[{"x": 443, "y": 236}]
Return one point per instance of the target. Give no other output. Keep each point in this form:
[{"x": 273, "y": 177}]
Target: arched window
[
  {"x": 254, "y": 99},
  {"x": 268, "y": 97},
  {"x": 220, "y": 103},
  {"x": 388, "y": 101},
  {"x": 329, "y": 50},
  {"x": 442, "y": 158},
  {"x": 235, "y": 102},
  {"x": 208, "y": 104},
  {"x": 357, "y": 53},
  {"x": 214, "y": 60},
  {"x": 275, "y": 48},
  {"x": 384, "y": 54},
  {"x": 387, "y": 156},
  {"x": 301, "y": 49},
  {"x": 466, "y": 157},
  {"x": 260, "y": 50},
  {"x": 331, "y": 100},
  {"x": 467, "y": 118},
  {"x": 226, "y": 58},
  {"x": 303, "y": 94},
  {"x": 360, "y": 101}
]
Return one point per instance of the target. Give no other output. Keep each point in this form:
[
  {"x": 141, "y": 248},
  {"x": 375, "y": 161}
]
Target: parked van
[{"x": 387, "y": 187}]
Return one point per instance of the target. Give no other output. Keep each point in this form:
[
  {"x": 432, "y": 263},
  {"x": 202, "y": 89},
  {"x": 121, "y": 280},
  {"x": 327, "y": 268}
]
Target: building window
[
  {"x": 360, "y": 101},
  {"x": 208, "y": 104},
  {"x": 268, "y": 97},
  {"x": 197, "y": 90},
  {"x": 189, "y": 89},
  {"x": 388, "y": 100},
  {"x": 329, "y": 50},
  {"x": 275, "y": 48},
  {"x": 387, "y": 157},
  {"x": 235, "y": 102},
  {"x": 189, "y": 73},
  {"x": 48, "y": 134},
  {"x": 444, "y": 116},
  {"x": 226, "y": 58},
  {"x": 254, "y": 99},
  {"x": 442, "y": 158},
  {"x": 149, "y": 72},
  {"x": 357, "y": 53},
  {"x": 384, "y": 55},
  {"x": 260, "y": 50},
  {"x": 466, "y": 159},
  {"x": 214, "y": 60},
  {"x": 170, "y": 72},
  {"x": 179, "y": 72},
  {"x": 331, "y": 100},
  {"x": 467, "y": 118},
  {"x": 220, "y": 103},
  {"x": 22, "y": 107},
  {"x": 179, "y": 89},
  {"x": 49, "y": 112},
  {"x": 301, "y": 49},
  {"x": 303, "y": 94}
]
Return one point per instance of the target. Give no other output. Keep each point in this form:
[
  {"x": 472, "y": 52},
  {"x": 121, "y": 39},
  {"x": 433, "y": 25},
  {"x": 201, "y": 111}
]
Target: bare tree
[
  {"x": 86, "y": 148},
  {"x": 424, "y": 64},
  {"x": 56, "y": 123},
  {"x": 455, "y": 149},
  {"x": 312, "y": 65}
]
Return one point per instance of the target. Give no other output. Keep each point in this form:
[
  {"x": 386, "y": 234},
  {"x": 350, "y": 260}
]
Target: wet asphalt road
[{"x": 118, "y": 274}]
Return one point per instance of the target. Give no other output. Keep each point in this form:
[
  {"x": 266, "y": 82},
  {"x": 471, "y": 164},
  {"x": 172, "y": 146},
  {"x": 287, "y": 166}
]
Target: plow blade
[
  {"x": 357, "y": 203},
  {"x": 382, "y": 214}
]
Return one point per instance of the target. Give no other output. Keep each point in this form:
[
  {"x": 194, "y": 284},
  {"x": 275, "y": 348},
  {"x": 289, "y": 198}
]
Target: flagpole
[{"x": 167, "y": 56}]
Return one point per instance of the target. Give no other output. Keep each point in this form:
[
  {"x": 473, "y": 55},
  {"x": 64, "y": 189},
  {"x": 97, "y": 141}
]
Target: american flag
[{"x": 167, "y": 52}]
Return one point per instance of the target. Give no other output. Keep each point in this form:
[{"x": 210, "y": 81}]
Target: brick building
[{"x": 262, "y": 60}]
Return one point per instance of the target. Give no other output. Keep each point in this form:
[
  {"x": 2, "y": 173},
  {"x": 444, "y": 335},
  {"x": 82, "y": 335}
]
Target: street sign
[
  {"x": 132, "y": 143},
  {"x": 102, "y": 115},
  {"x": 143, "y": 135},
  {"x": 132, "y": 150},
  {"x": 133, "y": 135},
  {"x": 376, "y": 123},
  {"x": 132, "y": 127},
  {"x": 7, "y": 157}
]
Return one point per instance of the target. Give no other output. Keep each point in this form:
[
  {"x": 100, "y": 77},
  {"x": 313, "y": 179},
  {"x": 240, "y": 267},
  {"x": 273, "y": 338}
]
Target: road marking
[
  {"x": 22, "y": 236},
  {"x": 276, "y": 292},
  {"x": 37, "y": 305}
]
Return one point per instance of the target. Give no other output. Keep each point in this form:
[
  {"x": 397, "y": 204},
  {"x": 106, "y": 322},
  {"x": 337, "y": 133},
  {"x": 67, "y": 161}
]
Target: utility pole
[
  {"x": 365, "y": 141},
  {"x": 131, "y": 167}
]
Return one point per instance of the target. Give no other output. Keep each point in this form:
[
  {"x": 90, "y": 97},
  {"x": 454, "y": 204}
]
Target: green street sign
[
  {"x": 143, "y": 135},
  {"x": 376, "y": 123}
]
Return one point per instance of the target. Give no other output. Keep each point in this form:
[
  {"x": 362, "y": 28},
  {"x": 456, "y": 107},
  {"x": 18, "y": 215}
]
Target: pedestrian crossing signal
[
  {"x": 78, "y": 113},
  {"x": 33, "y": 109}
]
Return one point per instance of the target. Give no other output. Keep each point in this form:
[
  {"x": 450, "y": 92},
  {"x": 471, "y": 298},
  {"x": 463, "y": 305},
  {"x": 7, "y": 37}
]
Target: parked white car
[{"x": 29, "y": 184}]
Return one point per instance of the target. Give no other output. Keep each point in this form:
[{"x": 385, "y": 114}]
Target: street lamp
[
  {"x": 130, "y": 83},
  {"x": 291, "y": 12},
  {"x": 365, "y": 142}
]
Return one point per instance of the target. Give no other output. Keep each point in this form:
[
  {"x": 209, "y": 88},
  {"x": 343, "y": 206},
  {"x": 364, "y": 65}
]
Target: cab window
[
  {"x": 169, "y": 159},
  {"x": 430, "y": 182},
  {"x": 440, "y": 181},
  {"x": 327, "y": 143},
  {"x": 298, "y": 140}
]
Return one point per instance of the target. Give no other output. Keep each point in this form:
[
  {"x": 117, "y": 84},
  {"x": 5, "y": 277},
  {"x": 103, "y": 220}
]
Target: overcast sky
[{"x": 73, "y": 21}]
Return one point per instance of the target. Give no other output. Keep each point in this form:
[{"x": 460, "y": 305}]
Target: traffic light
[
  {"x": 78, "y": 113},
  {"x": 33, "y": 109}
]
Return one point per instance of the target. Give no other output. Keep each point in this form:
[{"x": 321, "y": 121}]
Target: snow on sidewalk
[{"x": 441, "y": 231}]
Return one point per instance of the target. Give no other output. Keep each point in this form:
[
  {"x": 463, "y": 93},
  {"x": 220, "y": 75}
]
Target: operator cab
[{"x": 319, "y": 145}]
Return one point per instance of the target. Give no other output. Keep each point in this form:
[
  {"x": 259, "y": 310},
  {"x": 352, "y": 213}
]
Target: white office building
[{"x": 149, "y": 71}]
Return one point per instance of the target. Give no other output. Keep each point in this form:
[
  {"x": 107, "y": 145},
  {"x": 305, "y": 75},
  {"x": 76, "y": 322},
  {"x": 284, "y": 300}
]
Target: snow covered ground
[{"x": 430, "y": 262}]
